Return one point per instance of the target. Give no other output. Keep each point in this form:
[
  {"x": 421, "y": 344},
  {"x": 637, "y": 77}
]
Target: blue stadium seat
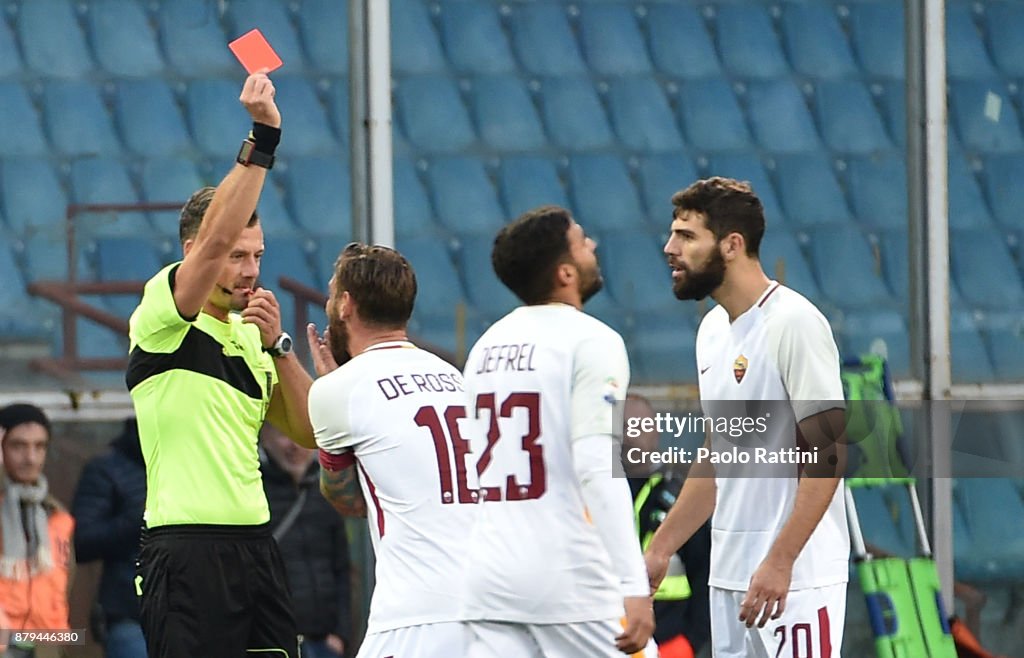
[
  {"x": 474, "y": 39},
  {"x": 809, "y": 191},
  {"x": 413, "y": 216},
  {"x": 464, "y": 196},
  {"x": 528, "y": 182},
  {"x": 320, "y": 197},
  {"x": 275, "y": 220},
  {"x": 968, "y": 355},
  {"x": 289, "y": 257},
  {"x": 965, "y": 52},
  {"x": 543, "y": 40},
  {"x": 433, "y": 115},
  {"x": 18, "y": 318},
  {"x": 877, "y": 32},
  {"x": 151, "y": 123},
  {"x": 680, "y": 44},
  {"x": 848, "y": 119},
  {"x": 124, "y": 42},
  {"x": 323, "y": 26},
  {"x": 878, "y": 189},
  {"x": 612, "y": 41},
  {"x": 325, "y": 255},
  {"x": 712, "y": 116},
  {"x": 1006, "y": 344},
  {"x": 849, "y": 273},
  {"x": 862, "y": 331},
  {"x": 1005, "y": 24},
  {"x": 892, "y": 100},
  {"x": 984, "y": 116},
  {"x": 782, "y": 123},
  {"x": 505, "y": 115},
  {"x": 641, "y": 115},
  {"x": 414, "y": 43},
  {"x": 272, "y": 19},
  {"x": 815, "y": 41},
  {"x": 337, "y": 108},
  {"x": 168, "y": 180},
  {"x": 52, "y": 41},
  {"x": 16, "y": 110},
  {"x": 574, "y": 116},
  {"x": 661, "y": 349},
  {"x": 783, "y": 260},
  {"x": 46, "y": 258},
  {"x": 217, "y": 120},
  {"x": 126, "y": 258},
  {"x": 748, "y": 167},
  {"x": 77, "y": 121},
  {"x": 979, "y": 258},
  {"x": 877, "y": 522},
  {"x": 98, "y": 342},
  {"x": 996, "y": 531},
  {"x": 105, "y": 181},
  {"x": 1003, "y": 175},
  {"x": 308, "y": 131},
  {"x": 636, "y": 271},
  {"x": 439, "y": 290},
  {"x": 747, "y": 42},
  {"x": 194, "y": 42},
  {"x": 603, "y": 194},
  {"x": 967, "y": 207},
  {"x": 486, "y": 293},
  {"x": 895, "y": 254},
  {"x": 34, "y": 201},
  {"x": 10, "y": 60},
  {"x": 661, "y": 176}
]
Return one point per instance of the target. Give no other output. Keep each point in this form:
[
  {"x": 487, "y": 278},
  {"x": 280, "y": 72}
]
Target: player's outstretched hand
[
  {"x": 657, "y": 567},
  {"x": 264, "y": 312},
  {"x": 320, "y": 348},
  {"x": 766, "y": 596},
  {"x": 258, "y": 98},
  {"x": 639, "y": 624}
]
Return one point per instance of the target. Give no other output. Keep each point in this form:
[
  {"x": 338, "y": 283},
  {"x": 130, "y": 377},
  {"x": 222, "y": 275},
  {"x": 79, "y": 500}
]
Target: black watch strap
[{"x": 249, "y": 155}]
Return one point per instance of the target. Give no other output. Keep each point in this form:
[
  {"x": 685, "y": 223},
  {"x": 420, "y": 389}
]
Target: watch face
[{"x": 286, "y": 344}]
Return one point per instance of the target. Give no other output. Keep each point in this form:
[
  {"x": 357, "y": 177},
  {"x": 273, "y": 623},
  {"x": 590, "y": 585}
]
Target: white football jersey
[
  {"x": 400, "y": 409},
  {"x": 537, "y": 380},
  {"x": 781, "y": 349}
]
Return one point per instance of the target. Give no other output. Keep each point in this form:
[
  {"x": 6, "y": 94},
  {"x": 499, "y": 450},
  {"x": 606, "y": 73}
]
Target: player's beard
[
  {"x": 338, "y": 339},
  {"x": 591, "y": 282},
  {"x": 698, "y": 284}
]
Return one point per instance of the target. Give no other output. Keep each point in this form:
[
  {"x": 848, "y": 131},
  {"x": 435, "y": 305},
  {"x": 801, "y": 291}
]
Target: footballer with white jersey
[
  {"x": 554, "y": 566},
  {"x": 780, "y": 543},
  {"x": 391, "y": 416}
]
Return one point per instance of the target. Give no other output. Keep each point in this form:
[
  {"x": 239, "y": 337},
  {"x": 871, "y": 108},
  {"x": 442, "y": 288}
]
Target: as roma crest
[{"x": 739, "y": 368}]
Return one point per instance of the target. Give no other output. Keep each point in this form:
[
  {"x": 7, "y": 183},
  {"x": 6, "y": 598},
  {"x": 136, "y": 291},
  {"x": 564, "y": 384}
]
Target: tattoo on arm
[{"x": 341, "y": 489}]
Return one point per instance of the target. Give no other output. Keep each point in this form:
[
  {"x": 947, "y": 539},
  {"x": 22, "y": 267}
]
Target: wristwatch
[
  {"x": 281, "y": 347},
  {"x": 249, "y": 155}
]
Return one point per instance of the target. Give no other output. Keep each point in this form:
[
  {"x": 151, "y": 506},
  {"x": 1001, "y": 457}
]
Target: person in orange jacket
[{"x": 35, "y": 532}]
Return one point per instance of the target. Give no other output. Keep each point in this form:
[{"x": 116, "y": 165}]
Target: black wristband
[{"x": 265, "y": 138}]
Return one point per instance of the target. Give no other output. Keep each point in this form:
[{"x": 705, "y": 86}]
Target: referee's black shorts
[{"x": 214, "y": 592}]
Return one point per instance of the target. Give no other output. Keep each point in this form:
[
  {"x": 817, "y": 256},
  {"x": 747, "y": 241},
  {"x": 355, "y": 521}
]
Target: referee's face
[{"x": 237, "y": 281}]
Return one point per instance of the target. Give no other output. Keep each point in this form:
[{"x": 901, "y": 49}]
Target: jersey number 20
[{"x": 514, "y": 490}]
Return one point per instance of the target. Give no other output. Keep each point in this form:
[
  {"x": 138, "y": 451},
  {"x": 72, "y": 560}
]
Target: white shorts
[
  {"x": 811, "y": 626},
  {"x": 443, "y": 640},
  {"x": 593, "y": 639}
]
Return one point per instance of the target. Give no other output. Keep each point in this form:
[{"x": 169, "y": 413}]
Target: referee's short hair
[
  {"x": 527, "y": 252},
  {"x": 195, "y": 209},
  {"x": 380, "y": 281}
]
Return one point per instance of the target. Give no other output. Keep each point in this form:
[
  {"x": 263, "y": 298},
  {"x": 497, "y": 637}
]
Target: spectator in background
[
  {"x": 35, "y": 533},
  {"x": 108, "y": 506},
  {"x": 313, "y": 544}
]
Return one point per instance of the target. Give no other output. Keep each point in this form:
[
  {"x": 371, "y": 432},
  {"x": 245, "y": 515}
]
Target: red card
[{"x": 253, "y": 51}]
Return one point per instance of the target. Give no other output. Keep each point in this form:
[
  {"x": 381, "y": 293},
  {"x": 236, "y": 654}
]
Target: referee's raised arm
[{"x": 234, "y": 200}]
